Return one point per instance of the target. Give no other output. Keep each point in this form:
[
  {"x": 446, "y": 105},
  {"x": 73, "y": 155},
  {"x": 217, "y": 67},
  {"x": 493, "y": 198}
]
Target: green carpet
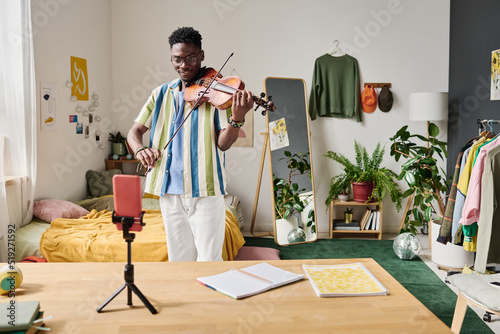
[{"x": 414, "y": 275}]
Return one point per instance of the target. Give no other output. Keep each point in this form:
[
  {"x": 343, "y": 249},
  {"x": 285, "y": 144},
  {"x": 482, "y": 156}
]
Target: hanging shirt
[
  {"x": 335, "y": 88},
  {"x": 463, "y": 182},
  {"x": 472, "y": 205},
  {"x": 488, "y": 238},
  {"x": 459, "y": 205},
  {"x": 445, "y": 232}
]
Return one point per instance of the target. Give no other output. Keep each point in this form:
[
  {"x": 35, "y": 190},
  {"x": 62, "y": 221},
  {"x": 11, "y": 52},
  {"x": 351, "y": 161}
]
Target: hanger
[
  {"x": 336, "y": 51},
  {"x": 488, "y": 134},
  {"x": 491, "y": 133}
]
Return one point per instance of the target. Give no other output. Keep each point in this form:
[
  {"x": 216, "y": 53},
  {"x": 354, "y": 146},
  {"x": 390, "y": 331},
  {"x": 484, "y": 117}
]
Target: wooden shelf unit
[
  {"x": 118, "y": 164},
  {"x": 336, "y": 204}
]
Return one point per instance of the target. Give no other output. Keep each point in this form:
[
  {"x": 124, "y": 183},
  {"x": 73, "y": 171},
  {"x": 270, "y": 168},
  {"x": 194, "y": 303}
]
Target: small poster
[
  {"x": 79, "y": 128},
  {"x": 495, "y": 75},
  {"x": 278, "y": 135},
  {"x": 73, "y": 118},
  {"x": 79, "y": 79},
  {"x": 48, "y": 106}
]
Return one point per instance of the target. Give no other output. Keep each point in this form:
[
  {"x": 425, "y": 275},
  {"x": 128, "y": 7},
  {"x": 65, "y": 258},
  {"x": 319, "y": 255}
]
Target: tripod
[{"x": 129, "y": 267}]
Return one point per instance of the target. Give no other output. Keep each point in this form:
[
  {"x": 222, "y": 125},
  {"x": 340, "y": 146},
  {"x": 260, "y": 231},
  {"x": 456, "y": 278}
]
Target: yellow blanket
[{"x": 94, "y": 238}]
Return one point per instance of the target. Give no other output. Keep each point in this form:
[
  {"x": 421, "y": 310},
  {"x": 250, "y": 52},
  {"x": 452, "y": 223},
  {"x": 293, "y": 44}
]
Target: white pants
[{"x": 195, "y": 227}]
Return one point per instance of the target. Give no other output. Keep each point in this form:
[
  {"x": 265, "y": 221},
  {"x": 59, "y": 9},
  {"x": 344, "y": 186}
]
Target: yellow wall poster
[{"x": 79, "y": 79}]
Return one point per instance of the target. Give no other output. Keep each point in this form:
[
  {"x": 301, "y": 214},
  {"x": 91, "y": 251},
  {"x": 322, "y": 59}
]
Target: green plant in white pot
[
  {"x": 426, "y": 181},
  {"x": 287, "y": 195},
  {"x": 118, "y": 141}
]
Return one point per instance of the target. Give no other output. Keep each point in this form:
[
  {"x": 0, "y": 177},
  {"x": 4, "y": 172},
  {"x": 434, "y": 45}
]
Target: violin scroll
[{"x": 268, "y": 104}]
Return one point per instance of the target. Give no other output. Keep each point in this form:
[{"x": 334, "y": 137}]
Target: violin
[{"x": 219, "y": 91}]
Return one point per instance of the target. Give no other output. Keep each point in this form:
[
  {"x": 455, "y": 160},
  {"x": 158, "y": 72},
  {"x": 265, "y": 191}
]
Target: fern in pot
[{"x": 366, "y": 169}]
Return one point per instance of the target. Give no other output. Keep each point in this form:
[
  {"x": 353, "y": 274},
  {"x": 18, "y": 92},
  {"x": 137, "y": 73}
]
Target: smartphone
[{"x": 127, "y": 199}]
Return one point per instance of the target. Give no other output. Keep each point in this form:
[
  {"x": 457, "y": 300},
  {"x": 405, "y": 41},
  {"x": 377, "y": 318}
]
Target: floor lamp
[{"x": 426, "y": 106}]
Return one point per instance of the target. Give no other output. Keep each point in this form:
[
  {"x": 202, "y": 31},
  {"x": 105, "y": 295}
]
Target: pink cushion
[
  {"x": 257, "y": 253},
  {"x": 50, "y": 209}
]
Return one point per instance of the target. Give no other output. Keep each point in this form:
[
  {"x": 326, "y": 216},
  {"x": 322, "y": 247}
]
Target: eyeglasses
[{"x": 189, "y": 60}]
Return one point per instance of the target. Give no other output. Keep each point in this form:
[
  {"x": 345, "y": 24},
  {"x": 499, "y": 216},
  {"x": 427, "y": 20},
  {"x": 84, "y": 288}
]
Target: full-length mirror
[{"x": 289, "y": 152}]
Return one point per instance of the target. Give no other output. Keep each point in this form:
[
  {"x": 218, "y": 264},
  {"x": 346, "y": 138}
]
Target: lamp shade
[{"x": 429, "y": 106}]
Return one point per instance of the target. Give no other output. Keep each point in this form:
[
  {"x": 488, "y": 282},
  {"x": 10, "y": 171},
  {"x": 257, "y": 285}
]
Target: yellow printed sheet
[{"x": 343, "y": 280}]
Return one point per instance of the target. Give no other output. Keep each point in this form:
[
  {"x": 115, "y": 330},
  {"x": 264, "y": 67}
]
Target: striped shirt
[{"x": 203, "y": 161}]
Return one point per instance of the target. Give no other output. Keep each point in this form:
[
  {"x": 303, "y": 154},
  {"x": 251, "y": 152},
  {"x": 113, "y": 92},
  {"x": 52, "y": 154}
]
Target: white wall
[
  {"x": 403, "y": 42},
  {"x": 62, "y": 29}
]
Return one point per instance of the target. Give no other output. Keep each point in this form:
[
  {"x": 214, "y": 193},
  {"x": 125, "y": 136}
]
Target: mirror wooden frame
[{"x": 294, "y": 101}]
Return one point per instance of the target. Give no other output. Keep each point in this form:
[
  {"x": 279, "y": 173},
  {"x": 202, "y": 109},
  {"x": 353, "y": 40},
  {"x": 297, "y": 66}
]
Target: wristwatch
[{"x": 235, "y": 124}]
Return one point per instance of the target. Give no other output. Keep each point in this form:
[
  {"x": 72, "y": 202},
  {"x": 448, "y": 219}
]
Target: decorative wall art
[
  {"x": 278, "y": 135},
  {"x": 79, "y": 78},
  {"x": 495, "y": 75},
  {"x": 48, "y": 106}
]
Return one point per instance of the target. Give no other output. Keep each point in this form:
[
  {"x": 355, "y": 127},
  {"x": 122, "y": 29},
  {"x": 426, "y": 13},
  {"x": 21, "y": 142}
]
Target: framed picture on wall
[{"x": 495, "y": 75}]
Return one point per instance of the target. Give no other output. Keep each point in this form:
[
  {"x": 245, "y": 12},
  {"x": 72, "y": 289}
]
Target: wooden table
[{"x": 71, "y": 292}]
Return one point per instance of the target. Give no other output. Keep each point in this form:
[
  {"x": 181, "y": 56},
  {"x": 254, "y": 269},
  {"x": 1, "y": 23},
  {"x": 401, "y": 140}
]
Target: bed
[{"x": 93, "y": 237}]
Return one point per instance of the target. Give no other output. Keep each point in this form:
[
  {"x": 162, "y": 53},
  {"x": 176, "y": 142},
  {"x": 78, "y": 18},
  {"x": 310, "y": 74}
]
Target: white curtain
[{"x": 17, "y": 121}]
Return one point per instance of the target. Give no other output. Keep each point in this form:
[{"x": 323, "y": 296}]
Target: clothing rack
[{"x": 483, "y": 122}]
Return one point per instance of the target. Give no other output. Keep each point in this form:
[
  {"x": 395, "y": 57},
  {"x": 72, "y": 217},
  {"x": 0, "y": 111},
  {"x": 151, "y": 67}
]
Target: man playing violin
[{"x": 188, "y": 174}]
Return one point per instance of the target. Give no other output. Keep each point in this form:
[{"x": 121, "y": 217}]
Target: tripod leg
[
  {"x": 143, "y": 299},
  {"x": 129, "y": 295},
  {"x": 99, "y": 309}
]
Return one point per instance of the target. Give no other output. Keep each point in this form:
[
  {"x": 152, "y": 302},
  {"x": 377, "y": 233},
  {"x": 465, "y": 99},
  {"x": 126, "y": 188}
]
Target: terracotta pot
[{"x": 362, "y": 191}]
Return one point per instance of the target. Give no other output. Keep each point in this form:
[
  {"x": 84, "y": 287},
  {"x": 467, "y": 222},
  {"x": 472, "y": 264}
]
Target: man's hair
[{"x": 185, "y": 35}]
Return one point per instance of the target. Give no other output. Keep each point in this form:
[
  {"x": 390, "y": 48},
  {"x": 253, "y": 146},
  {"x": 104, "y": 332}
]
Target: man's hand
[
  {"x": 242, "y": 103},
  {"x": 148, "y": 157}
]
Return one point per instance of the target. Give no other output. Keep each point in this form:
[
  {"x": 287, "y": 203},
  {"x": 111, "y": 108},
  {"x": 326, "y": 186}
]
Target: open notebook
[
  {"x": 249, "y": 281},
  {"x": 343, "y": 280}
]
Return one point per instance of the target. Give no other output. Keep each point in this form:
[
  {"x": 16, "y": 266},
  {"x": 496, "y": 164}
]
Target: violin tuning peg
[
  {"x": 263, "y": 112},
  {"x": 263, "y": 95},
  {"x": 269, "y": 98}
]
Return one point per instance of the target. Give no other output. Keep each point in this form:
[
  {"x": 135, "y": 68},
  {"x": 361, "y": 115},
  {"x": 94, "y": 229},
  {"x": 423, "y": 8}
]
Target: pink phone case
[{"x": 127, "y": 199}]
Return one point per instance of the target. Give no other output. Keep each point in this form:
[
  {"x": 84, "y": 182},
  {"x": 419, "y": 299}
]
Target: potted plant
[
  {"x": 287, "y": 197},
  {"x": 367, "y": 169},
  {"x": 348, "y": 215},
  {"x": 426, "y": 181},
  {"x": 118, "y": 141}
]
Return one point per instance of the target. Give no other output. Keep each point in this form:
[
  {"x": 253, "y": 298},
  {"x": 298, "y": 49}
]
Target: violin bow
[{"x": 191, "y": 111}]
